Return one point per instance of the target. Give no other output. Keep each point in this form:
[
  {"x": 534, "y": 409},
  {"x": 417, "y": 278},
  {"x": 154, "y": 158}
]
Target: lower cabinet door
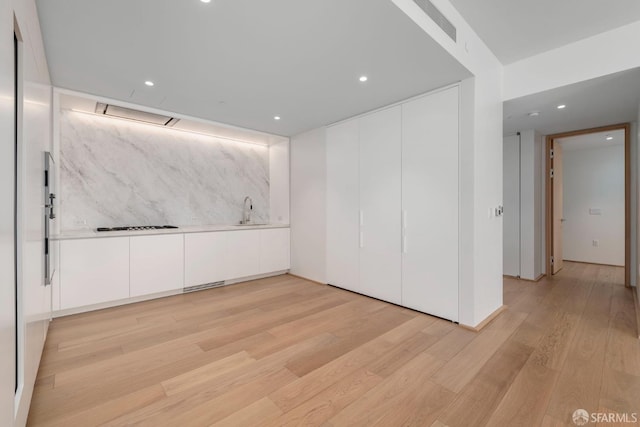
[
  {"x": 274, "y": 250},
  {"x": 93, "y": 271},
  {"x": 204, "y": 258},
  {"x": 157, "y": 264},
  {"x": 243, "y": 254}
]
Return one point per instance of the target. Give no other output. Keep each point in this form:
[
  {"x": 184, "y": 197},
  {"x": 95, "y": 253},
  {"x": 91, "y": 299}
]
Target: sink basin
[{"x": 250, "y": 224}]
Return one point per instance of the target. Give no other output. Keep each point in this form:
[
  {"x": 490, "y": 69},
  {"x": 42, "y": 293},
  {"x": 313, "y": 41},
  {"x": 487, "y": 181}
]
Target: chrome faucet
[{"x": 246, "y": 212}]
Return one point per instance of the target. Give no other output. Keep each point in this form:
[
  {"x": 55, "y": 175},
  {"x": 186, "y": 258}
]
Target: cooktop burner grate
[{"x": 136, "y": 228}]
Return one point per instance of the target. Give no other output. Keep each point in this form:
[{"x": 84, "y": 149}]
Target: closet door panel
[
  {"x": 430, "y": 200},
  {"x": 343, "y": 205},
  {"x": 379, "y": 217}
]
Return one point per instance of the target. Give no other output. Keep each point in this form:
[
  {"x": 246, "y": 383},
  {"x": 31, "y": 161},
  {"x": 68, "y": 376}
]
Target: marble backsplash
[{"x": 115, "y": 172}]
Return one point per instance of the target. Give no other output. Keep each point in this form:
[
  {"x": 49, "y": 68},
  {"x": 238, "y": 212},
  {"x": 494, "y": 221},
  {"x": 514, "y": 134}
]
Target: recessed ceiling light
[
  {"x": 363, "y": 78},
  {"x": 561, "y": 106},
  {"x": 205, "y": 1},
  {"x": 276, "y": 117},
  {"x": 149, "y": 83},
  {"x": 609, "y": 138},
  {"x": 534, "y": 114}
]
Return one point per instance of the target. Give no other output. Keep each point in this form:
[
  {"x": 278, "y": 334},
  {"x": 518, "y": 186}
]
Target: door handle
[
  {"x": 404, "y": 231},
  {"x": 361, "y": 229}
]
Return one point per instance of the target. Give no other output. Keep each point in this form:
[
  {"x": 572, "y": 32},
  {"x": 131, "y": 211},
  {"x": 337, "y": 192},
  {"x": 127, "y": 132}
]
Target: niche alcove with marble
[{"x": 114, "y": 172}]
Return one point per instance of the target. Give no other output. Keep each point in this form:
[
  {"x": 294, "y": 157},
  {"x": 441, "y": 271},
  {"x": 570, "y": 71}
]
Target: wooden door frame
[{"x": 627, "y": 193}]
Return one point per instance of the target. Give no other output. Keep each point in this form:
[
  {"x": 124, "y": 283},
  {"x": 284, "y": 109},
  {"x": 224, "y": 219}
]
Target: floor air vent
[
  {"x": 437, "y": 17},
  {"x": 202, "y": 287},
  {"x": 139, "y": 116}
]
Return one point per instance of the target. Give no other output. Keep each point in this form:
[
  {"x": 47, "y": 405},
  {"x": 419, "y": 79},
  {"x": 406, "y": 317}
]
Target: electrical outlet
[{"x": 595, "y": 243}]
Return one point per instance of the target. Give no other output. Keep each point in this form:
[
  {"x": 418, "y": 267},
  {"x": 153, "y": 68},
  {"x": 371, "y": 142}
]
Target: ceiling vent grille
[
  {"x": 130, "y": 114},
  {"x": 437, "y": 17}
]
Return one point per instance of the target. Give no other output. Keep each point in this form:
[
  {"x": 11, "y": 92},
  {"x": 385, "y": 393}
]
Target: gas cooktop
[{"x": 136, "y": 228}]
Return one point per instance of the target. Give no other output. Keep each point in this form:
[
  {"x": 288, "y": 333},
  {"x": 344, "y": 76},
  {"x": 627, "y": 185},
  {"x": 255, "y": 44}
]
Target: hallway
[{"x": 582, "y": 326}]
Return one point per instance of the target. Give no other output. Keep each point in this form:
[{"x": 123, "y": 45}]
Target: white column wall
[
  {"x": 308, "y": 205},
  {"x": 531, "y": 231},
  {"x": 511, "y": 200},
  {"x": 524, "y": 188},
  {"x": 279, "y": 183}
]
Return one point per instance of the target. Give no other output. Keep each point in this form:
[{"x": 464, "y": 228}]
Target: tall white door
[
  {"x": 379, "y": 216},
  {"x": 343, "y": 202},
  {"x": 430, "y": 204}
]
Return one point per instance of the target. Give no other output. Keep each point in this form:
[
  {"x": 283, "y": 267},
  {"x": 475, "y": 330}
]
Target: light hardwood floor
[{"x": 285, "y": 351}]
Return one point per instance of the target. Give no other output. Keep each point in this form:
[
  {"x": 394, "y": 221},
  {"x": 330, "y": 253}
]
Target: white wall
[
  {"x": 481, "y": 193},
  {"x": 593, "y": 178},
  {"x": 279, "y": 183},
  {"x": 308, "y": 205},
  {"x": 636, "y": 160},
  {"x": 633, "y": 154}
]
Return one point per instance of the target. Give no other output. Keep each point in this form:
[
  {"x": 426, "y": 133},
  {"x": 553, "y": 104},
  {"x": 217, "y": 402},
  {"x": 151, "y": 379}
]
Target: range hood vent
[
  {"x": 438, "y": 18},
  {"x": 139, "y": 116}
]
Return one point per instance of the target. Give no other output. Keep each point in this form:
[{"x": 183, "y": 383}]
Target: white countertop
[{"x": 92, "y": 234}]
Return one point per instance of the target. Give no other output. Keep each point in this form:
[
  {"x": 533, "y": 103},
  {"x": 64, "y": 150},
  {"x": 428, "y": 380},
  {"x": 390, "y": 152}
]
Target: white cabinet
[
  {"x": 242, "y": 257},
  {"x": 204, "y": 258},
  {"x": 430, "y": 204},
  {"x": 157, "y": 264},
  {"x": 380, "y": 192},
  {"x": 106, "y": 269},
  {"x": 93, "y": 271},
  {"x": 343, "y": 204},
  {"x": 274, "y": 249},
  {"x": 393, "y": 202}
]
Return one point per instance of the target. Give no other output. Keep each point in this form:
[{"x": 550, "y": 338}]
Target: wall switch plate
[{"x": 595, "y": 243}]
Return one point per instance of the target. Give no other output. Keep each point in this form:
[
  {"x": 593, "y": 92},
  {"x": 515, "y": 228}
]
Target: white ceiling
[
  {"x": 516, "y": 29},
  {"x": 242, "y": 62},
  {"x": 592, "y": 140},
  {"x": 603, "y": 101},
  {"x": 87, "y": 104}
]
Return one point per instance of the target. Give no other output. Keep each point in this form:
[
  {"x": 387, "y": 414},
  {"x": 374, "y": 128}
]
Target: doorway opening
[{"x": 590, "y": 208}]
